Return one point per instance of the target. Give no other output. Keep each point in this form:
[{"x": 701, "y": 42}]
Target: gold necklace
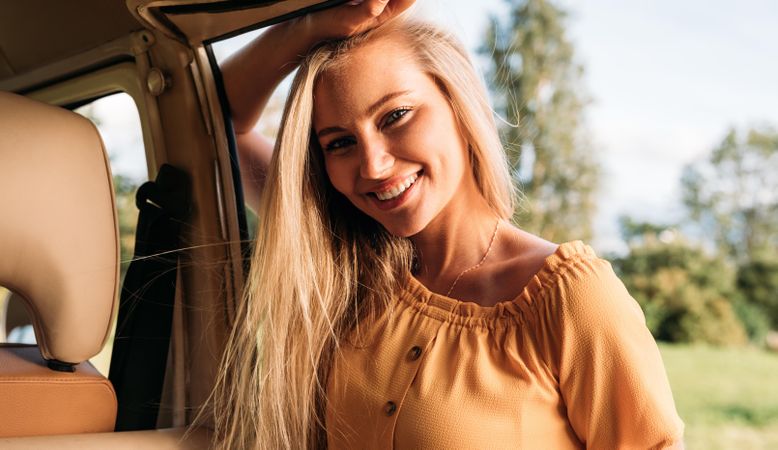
[{"x": 491, "y": 243}]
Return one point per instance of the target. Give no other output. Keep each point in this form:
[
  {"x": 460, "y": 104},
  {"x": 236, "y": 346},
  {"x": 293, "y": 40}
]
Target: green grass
[{"x": 728, "y": 397}]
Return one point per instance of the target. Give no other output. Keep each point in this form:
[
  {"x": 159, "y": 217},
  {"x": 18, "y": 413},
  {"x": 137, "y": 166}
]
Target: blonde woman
[{"x": 390, "y": 301}]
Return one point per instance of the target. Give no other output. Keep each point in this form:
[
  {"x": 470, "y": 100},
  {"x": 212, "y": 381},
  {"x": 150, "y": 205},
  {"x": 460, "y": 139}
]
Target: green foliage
[
  {"x": 646, "y": 232},
  {"x": 753, "y": 317},
  {"x": 757, "y": 280},
  {"x": 252, "y": 222},
  {"x": 536, "y": 85},
  {"x": 732, "y": 198},
  {"x": 685, "y": 294},
  {"x": 732, "y": 195},
  {"x": 124, "y": 190}
]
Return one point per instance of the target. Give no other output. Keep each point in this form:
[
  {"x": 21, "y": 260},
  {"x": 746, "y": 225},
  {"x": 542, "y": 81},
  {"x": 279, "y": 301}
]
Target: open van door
[{"x": 158, "y": 52}]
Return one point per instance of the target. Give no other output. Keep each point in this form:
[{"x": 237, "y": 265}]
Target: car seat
[{"x": 59, "y": 252}]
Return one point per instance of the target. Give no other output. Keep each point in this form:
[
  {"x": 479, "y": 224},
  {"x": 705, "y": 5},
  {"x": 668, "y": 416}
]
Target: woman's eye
[
  {"x": 396, "y": 115},
  {"x": 339, "y": 143}
]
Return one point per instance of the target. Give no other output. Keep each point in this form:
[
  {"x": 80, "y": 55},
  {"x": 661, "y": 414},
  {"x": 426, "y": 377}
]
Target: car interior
[{"x": 126, "y": 349}]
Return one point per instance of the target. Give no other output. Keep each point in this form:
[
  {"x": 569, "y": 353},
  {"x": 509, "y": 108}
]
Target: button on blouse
[{"x": 568, "y": 364}]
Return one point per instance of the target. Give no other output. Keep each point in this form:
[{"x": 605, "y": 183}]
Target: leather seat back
[{"x": 60, "y": 255}]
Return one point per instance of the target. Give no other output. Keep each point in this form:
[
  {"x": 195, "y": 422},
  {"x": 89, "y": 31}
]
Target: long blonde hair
[{"x": 320, "y": 266}]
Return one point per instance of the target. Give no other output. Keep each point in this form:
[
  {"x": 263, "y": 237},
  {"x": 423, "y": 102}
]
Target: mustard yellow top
[{"x": 568, "y": 364}]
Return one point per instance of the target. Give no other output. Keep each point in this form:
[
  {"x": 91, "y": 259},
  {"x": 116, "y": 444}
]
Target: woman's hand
[{"x": 351, "y": 18}]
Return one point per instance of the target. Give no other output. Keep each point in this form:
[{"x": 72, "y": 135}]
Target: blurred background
[{"x": 648, "y": 129}]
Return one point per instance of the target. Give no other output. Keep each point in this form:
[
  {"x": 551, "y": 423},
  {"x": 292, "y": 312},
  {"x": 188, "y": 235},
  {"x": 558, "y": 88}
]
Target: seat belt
[{"x": 142, "y": 340}]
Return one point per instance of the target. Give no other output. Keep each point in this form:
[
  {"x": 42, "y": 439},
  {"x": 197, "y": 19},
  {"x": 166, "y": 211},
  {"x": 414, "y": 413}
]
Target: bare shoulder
[
  {"x": 525, "y": 252},
  {"x": 518, "y": 258}
]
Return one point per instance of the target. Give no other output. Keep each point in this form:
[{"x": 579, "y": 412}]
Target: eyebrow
[{"x": 370, "y": 111}]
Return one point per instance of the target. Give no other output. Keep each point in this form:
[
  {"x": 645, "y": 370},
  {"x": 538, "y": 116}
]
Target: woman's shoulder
[
  {"x": 545, "y": 269},
  {"x": 577, "y": 285},
  {"x": 529, "y": 260}
]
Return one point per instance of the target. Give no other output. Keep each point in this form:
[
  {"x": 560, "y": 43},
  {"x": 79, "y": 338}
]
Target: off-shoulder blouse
[{"x": 567, "y": 364}]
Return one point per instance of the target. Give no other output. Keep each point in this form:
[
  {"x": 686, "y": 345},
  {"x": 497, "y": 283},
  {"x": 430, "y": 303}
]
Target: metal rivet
[
  {"x": 157, "y": 81},
  {"x": 390, "y": 408},
  {"x": 414, "y": 353}
]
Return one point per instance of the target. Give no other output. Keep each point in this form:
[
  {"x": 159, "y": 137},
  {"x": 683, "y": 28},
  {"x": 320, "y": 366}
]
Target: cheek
[
  {"x": 337, "y": 172},
  {"x": 442, "y": 147}
]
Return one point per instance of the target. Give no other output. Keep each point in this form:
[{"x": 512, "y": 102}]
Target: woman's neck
[{"x": 454, "y": 241}]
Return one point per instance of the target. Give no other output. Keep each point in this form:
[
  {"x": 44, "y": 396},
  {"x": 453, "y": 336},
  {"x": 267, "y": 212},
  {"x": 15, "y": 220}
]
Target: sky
[{"x": 667, "y": 79}]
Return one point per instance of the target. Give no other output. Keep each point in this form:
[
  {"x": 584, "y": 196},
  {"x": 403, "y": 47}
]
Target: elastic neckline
[{"x": 446, "y": 308}]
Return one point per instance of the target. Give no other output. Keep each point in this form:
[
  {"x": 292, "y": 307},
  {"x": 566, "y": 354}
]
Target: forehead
[{"x": 365, "y": 75}]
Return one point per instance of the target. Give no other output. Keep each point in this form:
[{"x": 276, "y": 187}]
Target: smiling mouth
[{"x": 396, "y": 190}]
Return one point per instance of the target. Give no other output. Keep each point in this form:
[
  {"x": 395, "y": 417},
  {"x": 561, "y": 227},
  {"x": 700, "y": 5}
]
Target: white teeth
[{"x": 397, "y": 190}]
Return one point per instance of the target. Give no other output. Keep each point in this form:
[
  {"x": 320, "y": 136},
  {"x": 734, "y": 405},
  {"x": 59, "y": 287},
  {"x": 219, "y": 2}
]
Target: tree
[
  {"x": 536, "y": 86},
  {"x": 732, "y": 195},
  {"x": 127, "y": 214},
  {"x": 686, "y": 294},
  {"x": 757, "y": 280}
]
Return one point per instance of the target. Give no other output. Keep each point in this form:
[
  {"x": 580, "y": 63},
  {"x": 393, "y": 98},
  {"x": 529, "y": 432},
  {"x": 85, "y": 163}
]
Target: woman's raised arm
[{"x": 252, "y": 74}]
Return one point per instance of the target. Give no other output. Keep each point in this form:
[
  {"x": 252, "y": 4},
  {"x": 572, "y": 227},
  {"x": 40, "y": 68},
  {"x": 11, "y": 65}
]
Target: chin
[
  {"x": 403, "y": 230},
  {"x": 403, "y": 233}
]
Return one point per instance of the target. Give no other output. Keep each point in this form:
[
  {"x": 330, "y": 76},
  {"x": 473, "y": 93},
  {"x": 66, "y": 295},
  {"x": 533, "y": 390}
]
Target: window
[{"x": 270, "y": 120}]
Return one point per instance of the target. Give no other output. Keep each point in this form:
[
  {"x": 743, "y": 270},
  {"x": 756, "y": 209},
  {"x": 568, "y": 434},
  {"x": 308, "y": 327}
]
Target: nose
[{"x": 375, "y": 159}]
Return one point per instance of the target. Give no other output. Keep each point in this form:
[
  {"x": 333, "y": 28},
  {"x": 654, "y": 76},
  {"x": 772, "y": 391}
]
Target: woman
[{"x": 390, "y": 301}]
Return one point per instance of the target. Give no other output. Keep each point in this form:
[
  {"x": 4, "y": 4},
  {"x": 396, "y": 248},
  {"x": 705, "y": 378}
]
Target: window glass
[{"x": 270, "y": 120}]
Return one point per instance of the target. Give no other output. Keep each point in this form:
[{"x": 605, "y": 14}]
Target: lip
[
  {"x": 400, "y": 199},
  {"x": 386, "y": 185}
]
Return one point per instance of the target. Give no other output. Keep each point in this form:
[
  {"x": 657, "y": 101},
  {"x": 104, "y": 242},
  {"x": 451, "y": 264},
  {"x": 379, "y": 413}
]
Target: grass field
[{"x": 728, "y": 397}]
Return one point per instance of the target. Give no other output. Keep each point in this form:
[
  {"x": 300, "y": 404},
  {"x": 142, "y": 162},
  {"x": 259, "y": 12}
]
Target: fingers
[
  {"x": 372, "y": 8},
  {"x": 393, "y": 8},
  {"x": 355, "y": 17},
  {"x": 398, "y": 6},
  {"x": 381, "y": 10}
]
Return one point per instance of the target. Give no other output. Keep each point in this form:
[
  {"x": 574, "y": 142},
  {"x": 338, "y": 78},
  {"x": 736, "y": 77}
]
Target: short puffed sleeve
[{"x": 611, "y": 375}]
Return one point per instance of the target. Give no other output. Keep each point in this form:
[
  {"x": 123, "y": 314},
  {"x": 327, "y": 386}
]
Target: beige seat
[{"x": 59, "y": 252}]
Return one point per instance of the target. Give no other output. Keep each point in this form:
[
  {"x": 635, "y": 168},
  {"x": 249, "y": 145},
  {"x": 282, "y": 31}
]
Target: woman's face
[{"x": 390, "y": 138}]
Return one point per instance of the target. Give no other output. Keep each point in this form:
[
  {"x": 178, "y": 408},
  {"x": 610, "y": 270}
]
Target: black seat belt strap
[{"x": 145, "y": 318}]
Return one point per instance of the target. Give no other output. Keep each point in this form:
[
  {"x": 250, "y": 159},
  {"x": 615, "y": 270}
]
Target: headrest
[{"x": 58, "y": 229}]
